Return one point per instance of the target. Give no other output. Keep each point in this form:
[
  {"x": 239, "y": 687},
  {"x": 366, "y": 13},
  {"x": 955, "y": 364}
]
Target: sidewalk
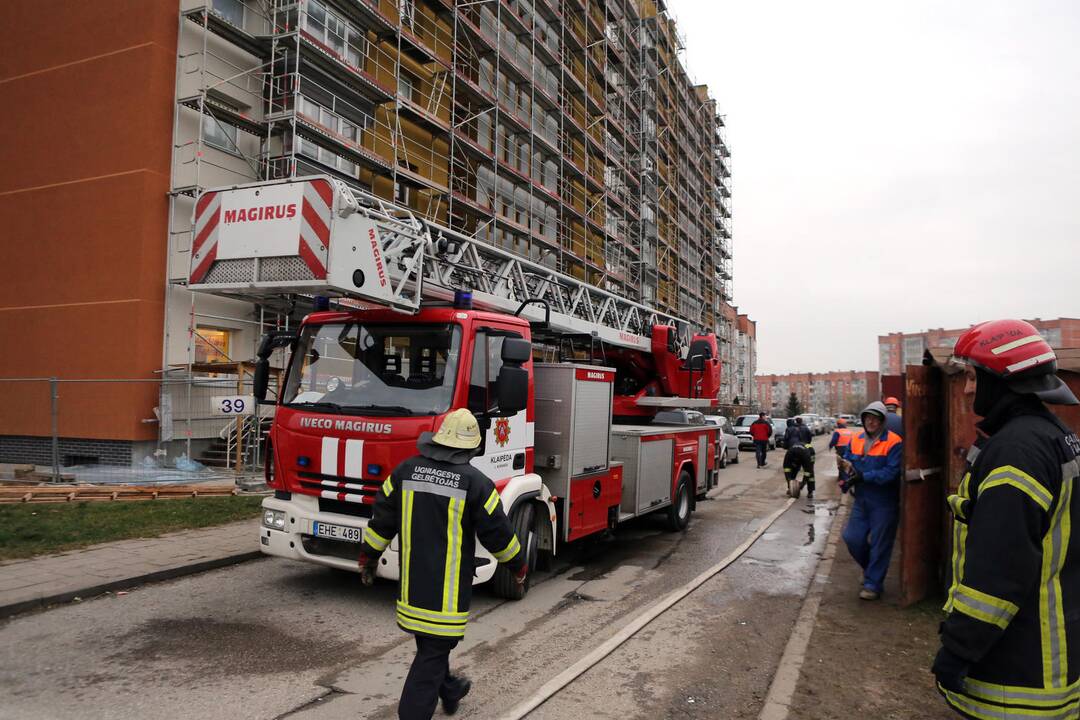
[
  {"x": 37, "y": 582},
  {"x": 868, "y": 659}
]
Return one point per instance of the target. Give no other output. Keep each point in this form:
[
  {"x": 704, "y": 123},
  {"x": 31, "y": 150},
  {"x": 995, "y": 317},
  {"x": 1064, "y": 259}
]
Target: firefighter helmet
[
  {"x": 459, "y": 430},
  {"x": 1015, "y": 351}
]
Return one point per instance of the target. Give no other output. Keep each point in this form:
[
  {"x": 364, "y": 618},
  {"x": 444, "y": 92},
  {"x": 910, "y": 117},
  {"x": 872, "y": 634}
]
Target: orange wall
[{"x": 88, "y": 90}]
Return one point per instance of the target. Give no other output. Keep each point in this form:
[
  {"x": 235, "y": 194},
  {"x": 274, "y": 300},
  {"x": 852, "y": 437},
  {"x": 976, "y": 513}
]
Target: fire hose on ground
[{"x": 553, "y": 686}]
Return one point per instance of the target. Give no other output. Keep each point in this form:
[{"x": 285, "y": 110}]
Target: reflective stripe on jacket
[
  {"x": 438, "y": 510},
  {"x": 1014, "y": 601}
]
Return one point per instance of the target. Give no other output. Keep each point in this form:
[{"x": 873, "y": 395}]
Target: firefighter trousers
[
  {"x": 869, "y": 536},
  {"x": 429, "y": 678}
]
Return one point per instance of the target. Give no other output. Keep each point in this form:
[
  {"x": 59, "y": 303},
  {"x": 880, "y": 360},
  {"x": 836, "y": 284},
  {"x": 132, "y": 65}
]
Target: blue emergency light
[
  {"x": 374, "y": 470},
  {"x": 463, "y": 299},
  {"x": 303, "y": 461},
  {"x": 322, "y": 303}
]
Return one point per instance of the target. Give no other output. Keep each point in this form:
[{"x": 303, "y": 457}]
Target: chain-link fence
[{"x": 183, "y": 427}]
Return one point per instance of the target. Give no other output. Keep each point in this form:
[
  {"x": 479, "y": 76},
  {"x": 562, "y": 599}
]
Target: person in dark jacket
[
  {"x": 872, "y": 462},
  {"x": 799, "y": 456},
  {"x": 791, "y": 434},
  {"x": 806, "y": 435},
  {"x": 761, "y": 430},
  {"x": 1010, "y": 645},
  {"x": 438, "y": 505}
]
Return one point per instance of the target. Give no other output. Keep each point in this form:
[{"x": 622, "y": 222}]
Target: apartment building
[
  {"x": 822, "y": 393},
  {"x": 898, "y": 350},
  {"x": 568, "y": 131}
]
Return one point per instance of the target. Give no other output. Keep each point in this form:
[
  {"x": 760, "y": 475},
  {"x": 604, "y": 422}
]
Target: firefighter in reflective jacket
[
  {"x": 438, "y": 504},
  {"x": 1011, "y": 640},
  {"x": 872, "y": 462},
  {"x": 799, "y": 456}
]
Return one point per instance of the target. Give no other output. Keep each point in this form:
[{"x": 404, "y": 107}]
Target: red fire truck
[{"x": 564, "y": 377}]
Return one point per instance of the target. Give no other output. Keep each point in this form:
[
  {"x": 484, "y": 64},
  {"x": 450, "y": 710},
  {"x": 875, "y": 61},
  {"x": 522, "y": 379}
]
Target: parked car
[
  {"x": 779, "y": 428},
  {"x": 742, "y": 431},
  {"x": 693, "y": 417},
  {"x": 814, "y": 422},
  {"x": 849, "y": 419},
  {"x": 728, "y": 450},
  {"x": 680, "y": 417}
]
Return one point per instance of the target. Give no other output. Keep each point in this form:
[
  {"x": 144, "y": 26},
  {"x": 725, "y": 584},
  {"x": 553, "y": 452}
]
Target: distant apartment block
[
  {"x": 822, "y": 393},
  {"x": 898, "y": 350}
]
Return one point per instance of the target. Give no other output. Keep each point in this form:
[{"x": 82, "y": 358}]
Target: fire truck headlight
[{"x": 274, "y": 519}]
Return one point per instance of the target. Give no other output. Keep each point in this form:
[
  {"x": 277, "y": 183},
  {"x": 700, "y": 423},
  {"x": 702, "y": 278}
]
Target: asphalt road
[{"x": 271, "y": 638}]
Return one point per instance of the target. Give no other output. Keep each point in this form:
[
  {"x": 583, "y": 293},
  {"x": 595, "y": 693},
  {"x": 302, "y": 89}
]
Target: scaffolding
[{"x": 567, "y": 131}]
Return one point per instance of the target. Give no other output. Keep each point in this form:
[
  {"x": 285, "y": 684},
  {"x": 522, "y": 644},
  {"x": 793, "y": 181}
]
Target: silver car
[
  {"x": 742, "y": 431},
  {"x": 779, "y": 426},
  {"x": 728, "y": 450}
]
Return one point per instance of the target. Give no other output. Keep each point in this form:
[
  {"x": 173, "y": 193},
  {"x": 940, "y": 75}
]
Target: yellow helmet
[{"x": 459, "y": 430}]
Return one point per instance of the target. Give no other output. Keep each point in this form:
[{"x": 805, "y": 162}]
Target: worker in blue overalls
[{"x": 872, "y": 462}]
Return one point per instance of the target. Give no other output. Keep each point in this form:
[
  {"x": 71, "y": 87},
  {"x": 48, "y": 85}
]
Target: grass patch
[{"x": 40, "y": 528}]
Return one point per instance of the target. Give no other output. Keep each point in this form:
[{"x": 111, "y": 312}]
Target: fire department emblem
[{"x": 502, "y": 431}]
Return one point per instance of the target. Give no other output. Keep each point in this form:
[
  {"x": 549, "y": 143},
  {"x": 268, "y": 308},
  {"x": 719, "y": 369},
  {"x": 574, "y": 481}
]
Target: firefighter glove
[
  {"x": 950, "y": 670},
  {"x": 367, "y": 570}
]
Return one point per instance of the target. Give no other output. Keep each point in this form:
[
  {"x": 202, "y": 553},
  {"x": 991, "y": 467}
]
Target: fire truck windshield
[{"x": 370, "y": 369}]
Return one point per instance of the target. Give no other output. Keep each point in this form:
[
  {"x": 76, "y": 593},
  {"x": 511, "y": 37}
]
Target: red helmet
[
  {"x": 892, "y": 401},
  {"x": 1015, "y": 351}
]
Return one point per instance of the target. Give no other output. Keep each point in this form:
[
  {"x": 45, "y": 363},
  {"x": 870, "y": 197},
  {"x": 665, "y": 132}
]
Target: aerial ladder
[{"x": 570, "y": 445}]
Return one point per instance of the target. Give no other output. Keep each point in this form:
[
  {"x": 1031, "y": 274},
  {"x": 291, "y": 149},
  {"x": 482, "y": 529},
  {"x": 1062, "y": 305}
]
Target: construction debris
[{"x": 58, "y": 494}]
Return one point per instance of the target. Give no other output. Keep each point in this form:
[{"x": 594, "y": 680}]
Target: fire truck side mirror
[
  {"x": 512, "y": 387},
  {"x": 261, "y": 380},
  {"x": 516, "y": 350},
  {"x": 270, "y": 341},
  {"x": 512, "y": 384}
]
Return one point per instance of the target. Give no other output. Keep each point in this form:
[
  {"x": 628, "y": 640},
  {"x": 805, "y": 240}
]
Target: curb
[{"x": 21, "y": 606}]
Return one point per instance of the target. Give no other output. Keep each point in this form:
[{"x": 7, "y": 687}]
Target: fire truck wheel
[
  {"x": 503, "y": 582},
  {"x": 679, "y": 510}
]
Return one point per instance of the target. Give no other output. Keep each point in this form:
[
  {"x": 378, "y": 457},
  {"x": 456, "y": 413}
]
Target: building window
[
  {"x": 329, "y": 29},
  {"x": 407, "y": 85},
  {"x": 230, "y": 10},
  {"x": 219, "y": 135},
  {"x": 212, "y": 344},
  {"x": 402, "y": 194},
  {"x": 407, "y": 10},
  {"x": 1051, "y": 335}
]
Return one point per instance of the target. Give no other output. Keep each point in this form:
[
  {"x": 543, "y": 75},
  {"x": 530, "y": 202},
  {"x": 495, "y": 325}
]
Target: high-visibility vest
[{"x": 843, "y": 437}]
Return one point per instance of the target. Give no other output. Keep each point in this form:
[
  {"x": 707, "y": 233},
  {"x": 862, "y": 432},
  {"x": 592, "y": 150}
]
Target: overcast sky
[{"x": 895, "y": 165}]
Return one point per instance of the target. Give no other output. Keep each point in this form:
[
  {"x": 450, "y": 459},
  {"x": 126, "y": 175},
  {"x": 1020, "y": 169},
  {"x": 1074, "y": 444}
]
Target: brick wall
[{"x": 38, "y": 451}]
